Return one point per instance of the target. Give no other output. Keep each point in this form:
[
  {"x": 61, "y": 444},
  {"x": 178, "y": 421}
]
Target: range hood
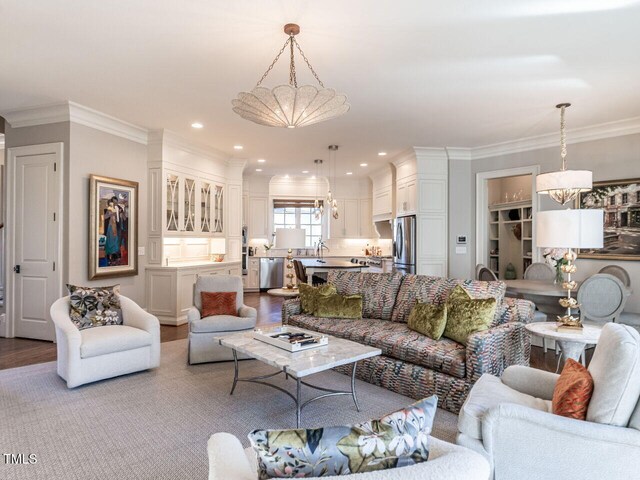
[{"x": 384, "y": 229}]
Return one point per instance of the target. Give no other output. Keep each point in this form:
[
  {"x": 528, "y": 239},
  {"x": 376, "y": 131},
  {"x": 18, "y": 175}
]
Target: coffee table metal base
[{"x": 297, "y": 397}]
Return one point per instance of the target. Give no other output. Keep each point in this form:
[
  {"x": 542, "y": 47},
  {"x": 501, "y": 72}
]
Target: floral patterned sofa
[{"x": 413, "y": 364}]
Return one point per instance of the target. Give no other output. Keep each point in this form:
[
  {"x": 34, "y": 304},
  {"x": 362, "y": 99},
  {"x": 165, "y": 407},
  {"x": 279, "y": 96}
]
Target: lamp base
[{"x": 290, "y": 285}]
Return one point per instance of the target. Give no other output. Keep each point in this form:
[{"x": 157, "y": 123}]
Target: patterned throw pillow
[
  {"x": 94, "y": 306},
  {"x": 218, "y": 303},
  {"x": 466, "y": 315},
  {"x": 428, "y": 319},
  {"x": 572, "y": 392},
  {"x": 396, "y": 440},
  {"x": 339, "y": 306},
  {"x": 309, "y": 296}
]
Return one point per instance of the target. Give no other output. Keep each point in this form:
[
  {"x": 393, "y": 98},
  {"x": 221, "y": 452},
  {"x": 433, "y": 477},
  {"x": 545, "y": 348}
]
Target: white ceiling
[{"x": 417, "y": 73}]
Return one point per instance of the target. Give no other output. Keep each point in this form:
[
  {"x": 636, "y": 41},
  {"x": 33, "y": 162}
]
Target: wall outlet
[{"x": 140, "y": 251}]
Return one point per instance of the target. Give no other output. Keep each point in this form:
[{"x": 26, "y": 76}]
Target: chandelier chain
[
  {"x": 563, "y": 139},
  {"x": 292, "y": 65},
  {"x": 306, "y": 60},
  {"x": 275, "y": 60}
]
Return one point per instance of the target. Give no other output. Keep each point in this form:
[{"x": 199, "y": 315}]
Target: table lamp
[
  {"x": 569, "y": 229},
  {"x": 290, "y": 238}
]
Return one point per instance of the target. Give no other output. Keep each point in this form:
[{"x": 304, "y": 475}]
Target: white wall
[{"x": 609, "y": 159}]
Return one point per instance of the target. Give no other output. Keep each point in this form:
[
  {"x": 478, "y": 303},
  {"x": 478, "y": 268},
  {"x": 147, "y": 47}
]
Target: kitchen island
[{"x": 317, "y": 265}]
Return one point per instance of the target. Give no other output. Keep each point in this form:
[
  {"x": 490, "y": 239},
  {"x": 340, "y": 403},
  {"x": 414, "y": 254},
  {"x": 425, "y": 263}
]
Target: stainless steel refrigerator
[{"x": 404, "y": 244}]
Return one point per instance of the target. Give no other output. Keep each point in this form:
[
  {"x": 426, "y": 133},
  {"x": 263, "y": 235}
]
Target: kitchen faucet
[{"x": 320, "y": 246}]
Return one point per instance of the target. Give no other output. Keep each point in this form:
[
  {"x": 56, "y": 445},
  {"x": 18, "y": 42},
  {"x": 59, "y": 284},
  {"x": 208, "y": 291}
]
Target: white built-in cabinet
[
  {"x": 382, "y": 193},
  {"x": 354, "y": 219},
  {"x": 245, "y": 210},
  {"x": 407, "y": 196},
  {"x": 252, "y": 281},
  {"x": 193, "y": 205},
  {"x": 258, "y": 217}
]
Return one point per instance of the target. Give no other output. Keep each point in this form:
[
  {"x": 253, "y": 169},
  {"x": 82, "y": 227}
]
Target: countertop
[{"x": 194, "y": 264}]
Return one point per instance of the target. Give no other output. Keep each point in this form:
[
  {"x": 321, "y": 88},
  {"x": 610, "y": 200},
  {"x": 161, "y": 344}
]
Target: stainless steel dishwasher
[{"x": 271, "y": 273}]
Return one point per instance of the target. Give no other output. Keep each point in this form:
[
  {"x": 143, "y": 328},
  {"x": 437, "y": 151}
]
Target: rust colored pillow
[
  {"x": 573, "y": 391},
  {"x": 218, "y": 303}
]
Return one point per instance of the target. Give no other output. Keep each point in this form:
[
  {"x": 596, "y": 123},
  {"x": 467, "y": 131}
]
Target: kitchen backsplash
[{"x": 340, "y": 247}]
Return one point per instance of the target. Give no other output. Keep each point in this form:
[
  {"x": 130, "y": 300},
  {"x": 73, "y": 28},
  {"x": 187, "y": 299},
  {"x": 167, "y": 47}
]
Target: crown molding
[
  {"x": 456, "y": 153},
  {"x": 601, "y": 131},
  {"x": 172, "y": 139},
  {"x": 75, "y": 113}
]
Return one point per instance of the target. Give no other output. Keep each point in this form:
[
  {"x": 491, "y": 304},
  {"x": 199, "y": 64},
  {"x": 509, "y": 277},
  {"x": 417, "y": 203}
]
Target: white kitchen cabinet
[
  {"x": 169, "y": 290},
  {"x": 365, "y": 225},
  {"x": 354, "y": 219},
  {"x": 245, "y": 210},
  {"x": 382, "y": 203},
  {"x": 258, "y": 217},
  {"x": 252, "y": 282},
  {"x": 406, "y": 196}
]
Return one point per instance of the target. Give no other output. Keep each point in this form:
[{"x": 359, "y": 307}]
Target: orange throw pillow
[
  {"x": 218, "y": 303},
  {"x": 573, "y": 391}
]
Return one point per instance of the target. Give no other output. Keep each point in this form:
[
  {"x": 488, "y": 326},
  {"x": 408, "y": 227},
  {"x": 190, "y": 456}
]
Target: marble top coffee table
[{"x": 298, "y": 365}]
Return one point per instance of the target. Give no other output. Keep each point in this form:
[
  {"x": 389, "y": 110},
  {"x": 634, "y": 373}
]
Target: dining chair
[
  {"x": 486, "y": 275},
  {"x": 602, "y": 298},
  {"x": 301, "y": 274},
  {"x": 619, "y": 272},
  {"x": 479, "y": 267},
  {"x": 539, "y": 271}
]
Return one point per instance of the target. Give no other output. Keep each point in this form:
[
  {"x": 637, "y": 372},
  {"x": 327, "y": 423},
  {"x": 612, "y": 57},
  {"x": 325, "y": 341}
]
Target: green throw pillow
[
  {"x": 309, "y": 296},
  {"x": 466, "y": 316},
  {"x": 339, "y": 306},
  {"x": 428, "y": 319}
]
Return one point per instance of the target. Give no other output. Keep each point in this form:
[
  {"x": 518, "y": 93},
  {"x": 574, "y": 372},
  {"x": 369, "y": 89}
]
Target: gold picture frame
[
  {"x": 113, "y": 227},
  {"x": 620, "y": 200}
]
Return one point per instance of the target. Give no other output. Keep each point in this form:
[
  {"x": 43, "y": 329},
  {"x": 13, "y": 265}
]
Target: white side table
[
  {"x": 571, "y": 344},
  {"x": 284, "y": 292}
]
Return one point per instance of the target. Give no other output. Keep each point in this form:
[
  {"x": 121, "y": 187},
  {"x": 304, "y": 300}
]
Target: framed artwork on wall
[
  {"x": 113, "y": 227},
  {"x": 620, "y": 200}
]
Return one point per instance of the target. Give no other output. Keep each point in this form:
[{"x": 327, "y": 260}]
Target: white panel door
[{"x": 35, "y": 229}]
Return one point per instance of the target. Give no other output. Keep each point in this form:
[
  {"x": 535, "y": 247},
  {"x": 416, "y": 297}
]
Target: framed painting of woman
[{"x": 113, "y": 227}]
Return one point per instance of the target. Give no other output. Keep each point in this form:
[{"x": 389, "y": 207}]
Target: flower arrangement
[{"x": 555, "y": 257}]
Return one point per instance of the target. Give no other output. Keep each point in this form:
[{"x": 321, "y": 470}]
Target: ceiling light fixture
[
  {"x": 258, "y": 169},
  {"x": 238, "y": 147},
  {"x": 332, "y": 203},
  {"x": 197, "y": 125},
  {"x": 290, "y": 106},
  {"x": 564, "y": 185},
  {"x": 363, "y": 164},
  {"x": 318, "y": 205},
  {"x": 261, "y": 160},
  {"x": 305, "y": 171},
  {"x": 382, "y": 154},
  {"x": 349, "y": 173}
]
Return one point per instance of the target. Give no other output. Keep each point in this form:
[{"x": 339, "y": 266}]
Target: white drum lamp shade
[
  {"x": 570, "y": 229},
  {"x": 564, "y": 183},
  {"x": 290, "y": 237}
]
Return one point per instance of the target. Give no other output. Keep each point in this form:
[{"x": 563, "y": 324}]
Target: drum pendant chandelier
[
  {"x": 564, "y": 185},
  {"x": 289, "y": 105}
]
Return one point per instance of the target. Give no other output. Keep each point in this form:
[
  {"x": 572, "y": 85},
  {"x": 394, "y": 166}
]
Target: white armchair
[
  {"x": 93, "y": 354},
  {"x": 229, "y": 461},
  {"x": 509, "y": 420},
  {"x": 203, "y": 331}
]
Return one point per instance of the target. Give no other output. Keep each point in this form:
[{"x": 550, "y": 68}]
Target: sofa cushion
[
  {"x": 111, "y": 339},
  {"x": 339, "y": 306},
  {"x": 615, "y": 368},
  {"x": 378, "y": 290},
  {"x": 218, "y": 303},
  {"x": 396, "y": 340},
  {"x": 436, "y": 290},
  {"x": 222, "y": 323},
  {"x": 428, "y": 319},
  {"x": 396, "y": 440},
  {"x": 309, "y": 296},
  {"x": 466, "y": 316},
  {"x": 572, "y": 391},
  {"x": 487, "y": 393}
]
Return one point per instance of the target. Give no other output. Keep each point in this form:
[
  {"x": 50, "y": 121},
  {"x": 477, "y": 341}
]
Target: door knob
[{"x": 16, "y": 269}]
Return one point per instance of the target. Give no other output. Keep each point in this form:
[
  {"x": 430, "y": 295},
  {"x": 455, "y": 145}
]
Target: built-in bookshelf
[{"x": 510, "y": 237}]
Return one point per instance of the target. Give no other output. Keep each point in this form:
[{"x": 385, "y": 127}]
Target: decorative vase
[{"x": 559, "y": 275}]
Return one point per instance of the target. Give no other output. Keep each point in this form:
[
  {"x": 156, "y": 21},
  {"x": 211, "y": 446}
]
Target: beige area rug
[{"x": 155, "y": 424}]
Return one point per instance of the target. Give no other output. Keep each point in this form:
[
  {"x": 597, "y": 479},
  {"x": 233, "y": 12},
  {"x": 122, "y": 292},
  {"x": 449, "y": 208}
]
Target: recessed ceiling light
[
  {"x": 363, "y": 164},
  {"x": 313, "y": 177},
  {"x": 238, "y": 147},
  {"x": 286, "y": 176},
  {"x": 305, "y": 171},
  {"x": 258, "y": 169},
  {"x": 261, "y": 160},
  {"x": 349, "y": 173},
  {"x": 197, "y": 125},
  {"x": 382, "y": 154}
]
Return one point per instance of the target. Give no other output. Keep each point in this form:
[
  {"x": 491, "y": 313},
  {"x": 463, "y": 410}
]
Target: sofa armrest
[
  {"x": 65, "y": 329},
  {"x": 534, "y": 382},
  {"x": 572, "y": 449},
  {"x": 227, "y": 459},
  {"x": 133, "y": 315},
  {"x": 193, "y": 314},
  {"x": 493, "y": 350},
  {"x": 290, "y": 307},
  {"x": 516, "y": 310},
  {"x": 247, "y": 312}
]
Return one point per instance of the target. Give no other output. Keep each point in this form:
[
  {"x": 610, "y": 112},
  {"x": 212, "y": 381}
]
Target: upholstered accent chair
[
  {"x": 229, "y": 461},
  {"x": 509, "y": 419},
  {"x": 93, "y": 354},
  {"x": 202, "y": 331}
]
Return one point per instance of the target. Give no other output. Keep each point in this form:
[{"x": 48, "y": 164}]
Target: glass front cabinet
[{"x": 193, "y": 205}]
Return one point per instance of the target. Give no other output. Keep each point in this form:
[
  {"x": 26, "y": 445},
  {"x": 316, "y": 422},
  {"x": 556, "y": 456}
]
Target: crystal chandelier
[
  {"x": 289, "y": 105},
  {"x": 564, "y": 185}
]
